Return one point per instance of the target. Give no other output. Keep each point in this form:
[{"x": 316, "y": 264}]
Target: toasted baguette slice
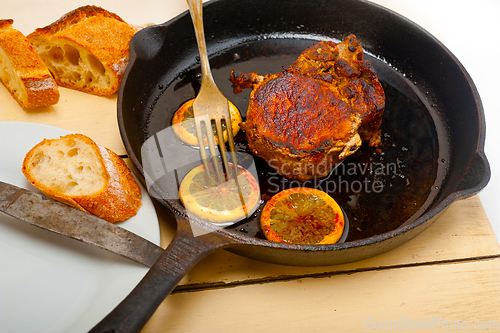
[
  {"x": 75, "y": 170},
  {"x": 22, "y": 71},
  {"x": 86, "y": 49}
]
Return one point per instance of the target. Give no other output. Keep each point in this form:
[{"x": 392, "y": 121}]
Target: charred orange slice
[
  {"x": 302, "y": 215},
  {"x": 223, "y": 203},
  {"x": 184, "y": 127}
]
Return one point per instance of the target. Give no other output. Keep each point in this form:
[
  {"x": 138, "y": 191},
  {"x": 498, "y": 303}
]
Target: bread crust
[
  {"x": 118, "y": 200},
  {"x": 103, "y": 34},
  {"x": 22, "y": 71}
]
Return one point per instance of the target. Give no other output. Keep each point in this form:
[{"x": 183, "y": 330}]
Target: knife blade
[{"x": 52, "y": 215}]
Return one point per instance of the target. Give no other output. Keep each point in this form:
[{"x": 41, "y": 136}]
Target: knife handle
[{"x": 184, "y": 252}]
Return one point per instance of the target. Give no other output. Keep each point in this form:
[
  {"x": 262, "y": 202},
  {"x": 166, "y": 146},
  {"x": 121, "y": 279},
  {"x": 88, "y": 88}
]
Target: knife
[{"x": 52, "y": 215}]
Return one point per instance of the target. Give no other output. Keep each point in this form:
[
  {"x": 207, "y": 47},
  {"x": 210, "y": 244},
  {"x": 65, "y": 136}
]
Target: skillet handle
[
  {"x": 476, "y": 177},
  {"x": 182, "y": 253}
]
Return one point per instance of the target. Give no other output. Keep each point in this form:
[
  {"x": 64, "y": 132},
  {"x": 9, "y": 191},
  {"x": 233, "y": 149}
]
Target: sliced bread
[
  {"x": 22, "y": 71},
  {"x": 75, "y": 170},
  {"x": 86, "y": 49}
]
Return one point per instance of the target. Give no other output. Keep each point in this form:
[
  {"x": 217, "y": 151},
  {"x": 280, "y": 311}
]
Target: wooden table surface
[
  {"x": 448, "y": 273},
  {"x": 446, "y": 278}
]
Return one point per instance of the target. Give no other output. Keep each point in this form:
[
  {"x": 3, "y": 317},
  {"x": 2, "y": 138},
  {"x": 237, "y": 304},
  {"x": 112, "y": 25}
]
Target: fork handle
[{"x": 196, "y": 11}]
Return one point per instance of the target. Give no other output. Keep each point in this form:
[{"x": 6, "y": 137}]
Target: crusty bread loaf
[
  {"x": 22, "y": 71},
  {"x": 86, "y": 49},
  {"x": 75, "y": 170}
]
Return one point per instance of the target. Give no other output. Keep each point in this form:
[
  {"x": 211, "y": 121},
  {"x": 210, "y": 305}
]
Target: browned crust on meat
[
  {"x": 311, "y": 116},
  {"x": 301, "y": 166},
  {"x": 342, "y": 64},
  {"x": 301, "y": 113},
  {"x": 242, "y": 80}
]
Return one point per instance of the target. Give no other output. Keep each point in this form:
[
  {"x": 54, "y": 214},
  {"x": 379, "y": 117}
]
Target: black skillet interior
[{"x": 433, "y": 126}]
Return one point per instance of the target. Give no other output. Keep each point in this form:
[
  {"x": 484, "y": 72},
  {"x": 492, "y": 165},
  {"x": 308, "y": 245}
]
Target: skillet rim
[{"x": 470, "y": 184}]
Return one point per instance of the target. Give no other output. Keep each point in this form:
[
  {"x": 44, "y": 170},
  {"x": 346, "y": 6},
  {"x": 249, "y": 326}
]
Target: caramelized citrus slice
[
  {"x": 219, "y": 203},
  {"x": 184, "y": 127},
  {"x": 302, "y": 215}
]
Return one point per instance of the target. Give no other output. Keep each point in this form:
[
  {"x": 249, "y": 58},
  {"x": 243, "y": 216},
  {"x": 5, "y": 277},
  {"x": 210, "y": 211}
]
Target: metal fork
[{"x": 210, "y": 105}]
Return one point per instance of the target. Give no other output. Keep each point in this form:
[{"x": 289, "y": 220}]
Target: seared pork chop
[{"x": 308, "y": 118}]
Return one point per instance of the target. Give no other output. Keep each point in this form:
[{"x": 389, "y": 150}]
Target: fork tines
[{"x": 204, "y": 129}]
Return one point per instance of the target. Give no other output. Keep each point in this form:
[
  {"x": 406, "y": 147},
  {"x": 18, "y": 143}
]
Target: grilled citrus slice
[
  {"x": 302, "y": 215},
  {"x": 184, "y": 127},
  {"x": 219, "y": 203}
]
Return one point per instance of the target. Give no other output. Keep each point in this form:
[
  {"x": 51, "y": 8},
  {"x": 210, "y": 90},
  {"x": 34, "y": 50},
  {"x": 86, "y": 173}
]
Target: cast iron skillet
[{"x": 433, "y": 129}]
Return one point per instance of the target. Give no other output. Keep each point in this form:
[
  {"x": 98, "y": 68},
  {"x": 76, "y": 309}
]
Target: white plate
[{"x": 48, "y": 282}]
